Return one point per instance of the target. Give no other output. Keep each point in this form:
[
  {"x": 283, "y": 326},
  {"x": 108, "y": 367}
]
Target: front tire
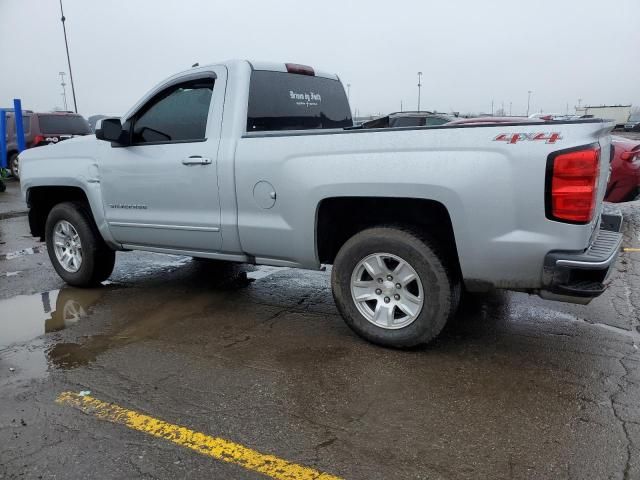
[
  {"x": 76, "y": 249},
  {"x": 393, "y": 287}
]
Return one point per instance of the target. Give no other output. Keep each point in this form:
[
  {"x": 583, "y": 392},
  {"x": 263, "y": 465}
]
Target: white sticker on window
[{"x": 309, "y": 99}]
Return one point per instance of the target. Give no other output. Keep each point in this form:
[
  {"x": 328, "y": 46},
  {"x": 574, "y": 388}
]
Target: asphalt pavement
[
  {"x": 179, "y": 368},
  {"x": 11, "y": 202}
]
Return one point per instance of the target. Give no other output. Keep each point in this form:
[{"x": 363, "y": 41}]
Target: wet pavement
[
  {"x": 515, "y": 387},
  {"x": 11, "y": 202}
]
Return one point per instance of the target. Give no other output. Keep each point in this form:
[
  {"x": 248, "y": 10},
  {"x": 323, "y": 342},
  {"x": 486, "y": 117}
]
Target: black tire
[
  {"x": 98, "y": 259},
  {"x": 3, "y": 187},
  {"x": 441, "y": 285},
  {"x": 14, "y": 165}
]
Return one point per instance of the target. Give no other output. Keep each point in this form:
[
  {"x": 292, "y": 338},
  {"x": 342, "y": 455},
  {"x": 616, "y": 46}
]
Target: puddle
[
  {"x": 26, "y": 317},
  {"x": 22, "y": 253}
]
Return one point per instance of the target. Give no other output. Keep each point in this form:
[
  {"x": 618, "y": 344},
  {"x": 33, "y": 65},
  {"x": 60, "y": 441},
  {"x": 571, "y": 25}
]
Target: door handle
[{"x": 196, "y": 160}]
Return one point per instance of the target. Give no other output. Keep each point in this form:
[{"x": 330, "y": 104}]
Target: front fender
[{"x": 44, "y": 167}]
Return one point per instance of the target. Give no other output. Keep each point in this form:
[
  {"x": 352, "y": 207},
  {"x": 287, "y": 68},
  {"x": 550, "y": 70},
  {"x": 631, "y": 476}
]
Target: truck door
[{"x": 162, "y": 190}]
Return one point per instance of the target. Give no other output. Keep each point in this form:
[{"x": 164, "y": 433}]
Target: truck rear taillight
[
  {"x": 572, "y": 184},
  {"x": 37, "y": 140}
]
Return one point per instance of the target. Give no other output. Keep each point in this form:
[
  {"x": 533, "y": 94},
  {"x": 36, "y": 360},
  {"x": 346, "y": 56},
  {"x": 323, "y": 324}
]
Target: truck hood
[{"x": 73, "y": 147}]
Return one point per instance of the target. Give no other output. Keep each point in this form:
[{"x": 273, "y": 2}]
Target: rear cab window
[
  {"x": 63, "y": 124},
  {"x": 291, "y": 101}
]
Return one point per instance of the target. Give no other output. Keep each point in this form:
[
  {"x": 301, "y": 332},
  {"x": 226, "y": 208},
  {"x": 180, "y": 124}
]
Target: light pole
[
  {"x": 510, "y": 108},
  {"x": 419, "y": 86},
  {"x": 66, "y": 44},
  {"x": 528, "y": 101},
  {"x": 64, "y": 90}
]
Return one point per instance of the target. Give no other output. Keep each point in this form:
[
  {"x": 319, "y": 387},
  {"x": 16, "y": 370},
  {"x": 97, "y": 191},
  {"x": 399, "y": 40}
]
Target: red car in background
[{"x": 624, "y": 182}]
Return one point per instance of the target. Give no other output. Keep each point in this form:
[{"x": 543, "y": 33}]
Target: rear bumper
[{"x": 578, "y": 277}]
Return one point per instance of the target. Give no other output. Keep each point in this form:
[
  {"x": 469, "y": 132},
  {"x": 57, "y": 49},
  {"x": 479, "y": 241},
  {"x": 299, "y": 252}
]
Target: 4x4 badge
[{"x": 551, "y": 137}]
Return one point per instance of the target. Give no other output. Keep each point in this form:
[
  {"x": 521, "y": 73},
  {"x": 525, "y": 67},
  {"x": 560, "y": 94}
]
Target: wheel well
[
  {"x": 42, "y": 199},
  {"x": 342, "y": 217}
]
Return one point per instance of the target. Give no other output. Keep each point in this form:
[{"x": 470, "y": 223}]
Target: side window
[
  {"x": 408, "y": 122},
  {"x": 26, "y": 123},
  {"x": 176, "y": 114},
  {"x": 433, "y": 121}
]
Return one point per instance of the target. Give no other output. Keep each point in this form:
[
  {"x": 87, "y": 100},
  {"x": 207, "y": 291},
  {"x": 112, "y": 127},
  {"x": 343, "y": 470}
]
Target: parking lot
[{"x": 177, "y": 367}]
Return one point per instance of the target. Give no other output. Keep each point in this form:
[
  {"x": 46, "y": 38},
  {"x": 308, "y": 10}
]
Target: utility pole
[
  {"x": 492, "y": 108},
  {"x": 419, "y": 86},
  {"x": 510, "y": 108},
  {"x": 64, "y": 91},
  {"x": 401, "y": 105},
  {"x": 528, "y": 101},
  {"x": 66, "y": 44}
]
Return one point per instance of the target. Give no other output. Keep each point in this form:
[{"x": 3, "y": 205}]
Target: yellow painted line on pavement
[
  {"x": 631, "y": 249},
  {"x": 215, "y": 447}
]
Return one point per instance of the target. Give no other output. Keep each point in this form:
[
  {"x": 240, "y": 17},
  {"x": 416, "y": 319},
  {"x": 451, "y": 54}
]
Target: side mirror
[{"x": 110, "y": 130}]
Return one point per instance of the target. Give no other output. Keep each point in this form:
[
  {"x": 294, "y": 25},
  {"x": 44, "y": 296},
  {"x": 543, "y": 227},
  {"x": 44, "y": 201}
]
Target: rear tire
[
  {"x": 14, "y": 165},
  {"x": 71, "y": 233},
  {"x": 413, "y": 313}
]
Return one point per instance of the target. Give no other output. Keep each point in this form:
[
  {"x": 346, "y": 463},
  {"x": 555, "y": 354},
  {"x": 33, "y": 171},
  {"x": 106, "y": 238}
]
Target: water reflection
[{"x": 25, "y": 317}]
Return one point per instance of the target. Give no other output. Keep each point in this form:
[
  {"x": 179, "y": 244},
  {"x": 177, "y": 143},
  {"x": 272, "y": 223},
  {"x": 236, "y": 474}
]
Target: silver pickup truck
[{"x": 260, "y": 163}]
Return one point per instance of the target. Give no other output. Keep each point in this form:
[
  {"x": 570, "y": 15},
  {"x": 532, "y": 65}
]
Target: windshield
[
  {"x": 65, "y": 124},
  {"x": 634, "y": 117}
]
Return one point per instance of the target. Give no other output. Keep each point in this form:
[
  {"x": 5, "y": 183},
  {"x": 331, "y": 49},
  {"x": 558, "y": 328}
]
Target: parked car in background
[
  {"x": 409, "y": 119},
  {"x": 42, "y": 129},
  {"x": 624, "y": 183},
  {"x": 633, "y": 124},
  {"x": 492, "y": 120}
]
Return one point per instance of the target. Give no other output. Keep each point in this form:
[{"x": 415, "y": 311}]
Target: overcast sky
[{"x": 470, "y": 51}]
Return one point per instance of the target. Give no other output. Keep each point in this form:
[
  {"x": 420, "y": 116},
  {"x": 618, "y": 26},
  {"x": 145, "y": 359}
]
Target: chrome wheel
[
  {"x": 387, "y": 291},
  {"x": 67, "y": 246}
]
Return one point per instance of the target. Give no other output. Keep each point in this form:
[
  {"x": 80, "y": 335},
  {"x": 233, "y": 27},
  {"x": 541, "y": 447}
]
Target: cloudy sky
[{"x": 470, "y": 51}]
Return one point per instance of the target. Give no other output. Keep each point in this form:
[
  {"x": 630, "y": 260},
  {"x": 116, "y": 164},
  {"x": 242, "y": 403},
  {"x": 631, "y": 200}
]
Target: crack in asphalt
[{"x": 623, "y": 423}]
